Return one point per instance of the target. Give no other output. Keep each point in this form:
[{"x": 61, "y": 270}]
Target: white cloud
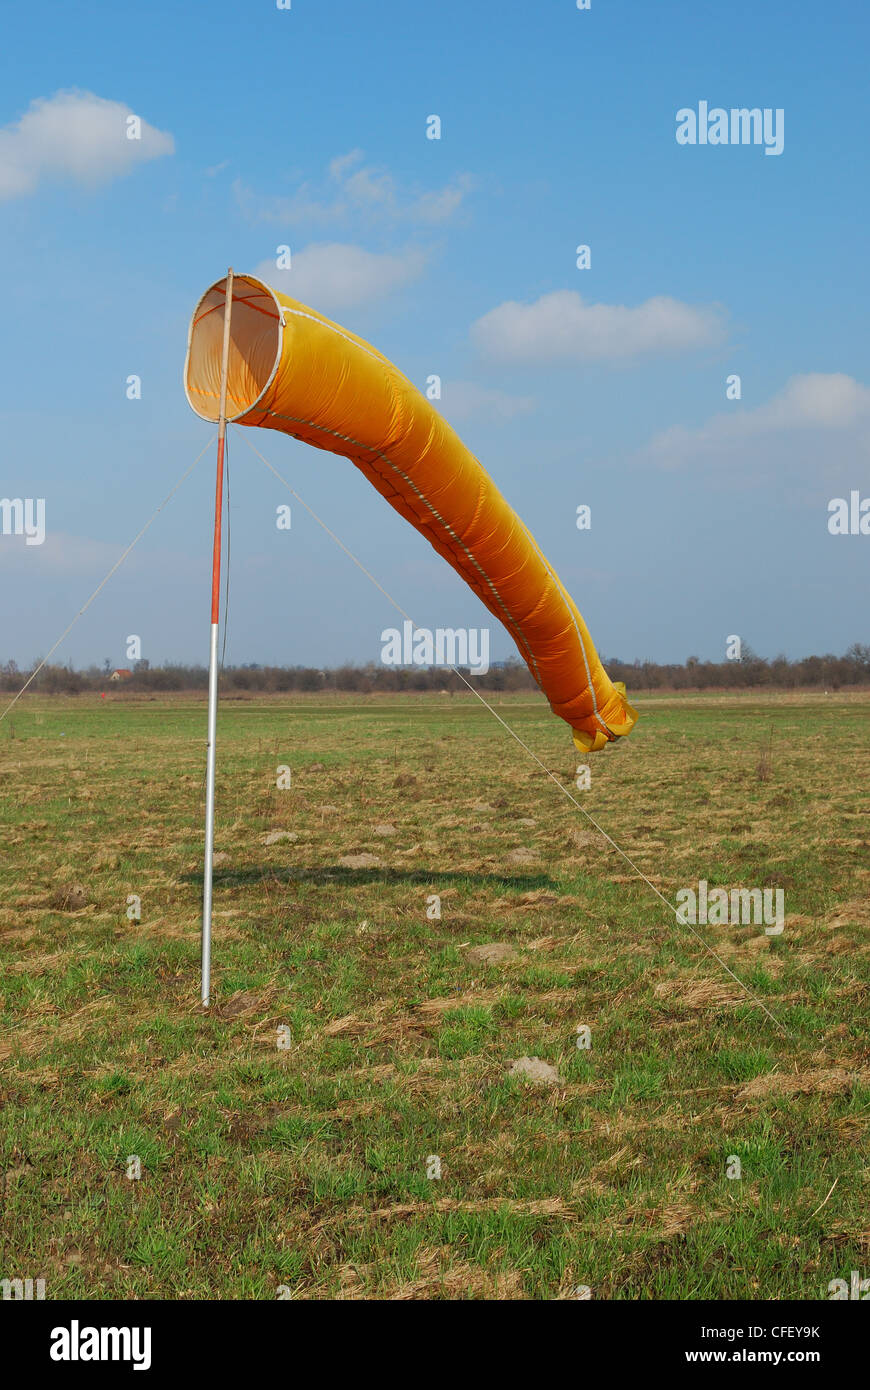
[
  {"x": 59, "y": 554},
  {"x": 370, "y": 188},
  {"x": 809, "y": 404},
  {"x": 439, "y": 207},
  {"x": 463, "y": 399},
  {"x": 73, "y": 135},
  {"x": 354, "y": 190},
  {"x": 331, "y": 276},
  {"x": 815, "y": 400},
  {"x": 342, "y": 162},
  {"x": 563, "y": 327}
]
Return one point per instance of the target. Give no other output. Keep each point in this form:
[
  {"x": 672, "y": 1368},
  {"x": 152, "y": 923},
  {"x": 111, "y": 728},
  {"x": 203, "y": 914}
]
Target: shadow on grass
[{"x": 354, "y": 878}]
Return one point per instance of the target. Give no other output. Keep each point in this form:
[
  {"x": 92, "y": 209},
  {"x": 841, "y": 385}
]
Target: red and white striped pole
[{"x": 213, "y": 654}]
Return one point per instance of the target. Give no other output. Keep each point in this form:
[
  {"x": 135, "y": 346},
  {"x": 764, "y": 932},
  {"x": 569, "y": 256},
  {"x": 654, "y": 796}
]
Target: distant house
[{"x": 122, "y": 674}]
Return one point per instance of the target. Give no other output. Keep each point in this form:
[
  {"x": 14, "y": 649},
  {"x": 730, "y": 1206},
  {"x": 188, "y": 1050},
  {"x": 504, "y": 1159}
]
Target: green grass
[{"x": 305, "y": 1167}]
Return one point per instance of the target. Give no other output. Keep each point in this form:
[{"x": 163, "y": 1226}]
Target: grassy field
[{"x": 290, "y": 1138}]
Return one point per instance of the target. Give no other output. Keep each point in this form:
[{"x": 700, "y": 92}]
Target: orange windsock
[{"x": 292, "y": 369}]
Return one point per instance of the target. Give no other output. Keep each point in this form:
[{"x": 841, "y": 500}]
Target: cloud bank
[
  {"x": 562, "y": 327},
  {"x": 332, "y": 276},
  {"x": 75, "y": 136},
  {"x": 353, "y": 190},
  {"x": 808, "y": 410}
]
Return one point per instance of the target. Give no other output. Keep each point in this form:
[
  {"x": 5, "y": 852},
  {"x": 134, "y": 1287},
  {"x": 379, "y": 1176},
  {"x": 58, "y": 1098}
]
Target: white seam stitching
[{"x": 354, "y": 342}]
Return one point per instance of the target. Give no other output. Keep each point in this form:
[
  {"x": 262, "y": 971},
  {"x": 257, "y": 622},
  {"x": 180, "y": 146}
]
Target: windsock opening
[{"x": 256, "y": 333}]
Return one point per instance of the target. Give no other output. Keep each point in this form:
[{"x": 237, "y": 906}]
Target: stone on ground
[{"x": 537, "y": 1071}]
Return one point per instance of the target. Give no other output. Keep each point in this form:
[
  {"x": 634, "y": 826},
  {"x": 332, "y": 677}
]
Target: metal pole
[{"x": 213, "y": 655}]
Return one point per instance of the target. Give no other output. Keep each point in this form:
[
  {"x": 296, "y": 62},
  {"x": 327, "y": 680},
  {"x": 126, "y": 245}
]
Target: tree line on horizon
[{"x": 751, "y": 671}]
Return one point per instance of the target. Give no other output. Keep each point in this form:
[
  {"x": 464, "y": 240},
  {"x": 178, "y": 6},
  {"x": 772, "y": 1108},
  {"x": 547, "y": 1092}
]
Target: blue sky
[{"x": 307, "y": 127}]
